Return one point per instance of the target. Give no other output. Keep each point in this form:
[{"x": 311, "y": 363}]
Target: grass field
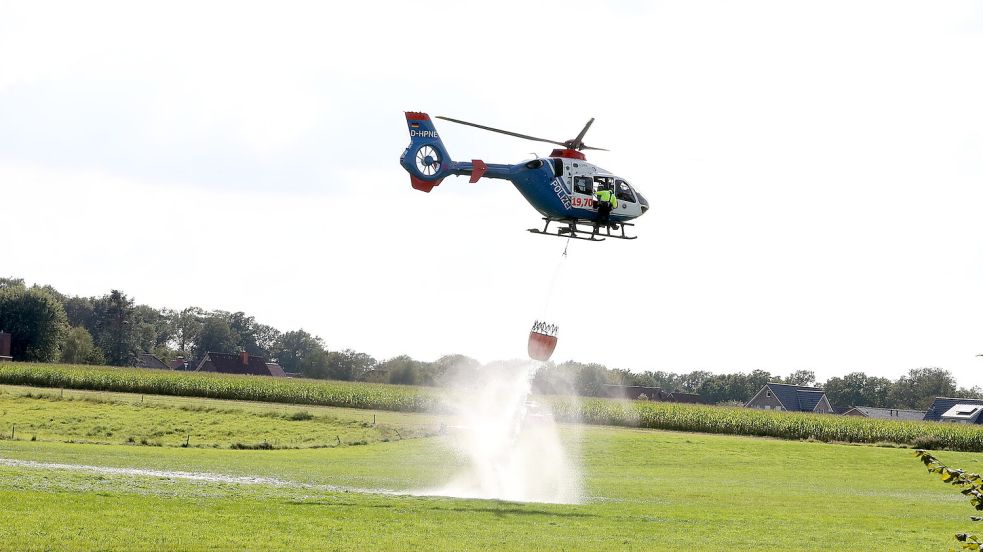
[
  {"x": 401, "y": 398},
  {"x": 645, "y": 489},
  {"x": 120, "y": 418}
]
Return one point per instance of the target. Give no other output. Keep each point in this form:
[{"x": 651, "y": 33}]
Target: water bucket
[{"x": 542, "y": 341}]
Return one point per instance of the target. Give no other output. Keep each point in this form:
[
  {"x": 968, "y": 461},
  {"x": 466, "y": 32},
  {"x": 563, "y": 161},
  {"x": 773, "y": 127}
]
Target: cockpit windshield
[{"x": 624, "y": 192}]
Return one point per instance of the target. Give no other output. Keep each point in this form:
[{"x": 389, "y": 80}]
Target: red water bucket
[{"x": 542, "y": 341}]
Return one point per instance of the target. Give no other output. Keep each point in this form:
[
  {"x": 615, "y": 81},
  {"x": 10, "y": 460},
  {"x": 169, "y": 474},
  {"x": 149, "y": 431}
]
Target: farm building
[
  {"x": 949, "y": 409},
  {"x": 276, "y": 370},
  {"x": 147, "y": 360},
  {"x": 233, "y": 363},
  {"x": 5, "y": 346},
  {"x": 886, "y": 413},
  {"x": 793, "y": 398},
  {"x": 683, "y": 397},
  {"x": 633, "y": 392}
]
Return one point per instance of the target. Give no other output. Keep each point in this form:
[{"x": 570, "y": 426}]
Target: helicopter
[{"x": 560, "y": 186}]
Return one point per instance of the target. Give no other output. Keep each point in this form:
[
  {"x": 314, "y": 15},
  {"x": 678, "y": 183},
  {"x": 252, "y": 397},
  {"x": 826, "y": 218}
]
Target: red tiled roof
[{"x": 232, "y": 363}]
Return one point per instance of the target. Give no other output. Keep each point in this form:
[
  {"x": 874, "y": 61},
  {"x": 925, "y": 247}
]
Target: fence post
[{"x": 12, "y": 428}]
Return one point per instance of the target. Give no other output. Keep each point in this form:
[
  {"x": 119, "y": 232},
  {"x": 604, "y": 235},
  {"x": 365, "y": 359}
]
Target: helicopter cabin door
[
  {"x": 583, "y": 192},
  {"x": 628, "y": 205}
]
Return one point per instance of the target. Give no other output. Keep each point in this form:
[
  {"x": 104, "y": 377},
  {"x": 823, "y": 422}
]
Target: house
[
  {"x": 147, "y": 360},
  {"x": 276, "y": 370},
  {"x": 682, "y": 397},
  {"x": 5, "y": 346},
  {"x": 886, "y": 413},
  {"x": 949, "y": 409},
  {"x": 793, "y": 398},
  {"x": 180, "y": 363},
  {"x": 633, "y": 392},
  {"x": 236, "y": 363}
]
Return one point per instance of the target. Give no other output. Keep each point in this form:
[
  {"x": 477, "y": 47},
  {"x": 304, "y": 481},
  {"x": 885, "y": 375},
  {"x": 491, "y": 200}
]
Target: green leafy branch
[{"x": 972, "y": 487}]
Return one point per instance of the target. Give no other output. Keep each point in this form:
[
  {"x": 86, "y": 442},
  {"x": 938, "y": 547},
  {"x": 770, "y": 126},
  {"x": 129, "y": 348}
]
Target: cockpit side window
[
  {"x": 603, "y": 183},
  {"x": 558, "y": 166},
  {"x": 582, "y": 185},
  {"x": 623, "y": 191}
]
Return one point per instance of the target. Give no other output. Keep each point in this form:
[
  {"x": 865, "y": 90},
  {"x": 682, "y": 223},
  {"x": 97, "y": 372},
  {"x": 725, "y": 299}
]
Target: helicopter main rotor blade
[
  {"x": 593, "y": 148},
  {"x": 500, "y": 131},
  {"x": 578, "y": 142}
]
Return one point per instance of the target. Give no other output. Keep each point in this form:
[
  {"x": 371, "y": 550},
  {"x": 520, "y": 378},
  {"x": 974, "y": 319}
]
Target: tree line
[{"x": 49, "y": 326}]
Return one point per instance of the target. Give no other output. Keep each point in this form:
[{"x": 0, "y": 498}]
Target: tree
[
  {"x": 971, "y": 486},
  {"x": 692, "y": 381},
  {"x": 78, "y": 348},
  {"x": 154, "y": 328},
  {"x": 454, "y": 368},
  {"x": 215, "y": 336},
  {"x": 36, "y": 321},
  {"x": 588, "y": 379},
  {"x": 920, "y": 386},
  {"x": 974, "y": 392},
  {"x": 402, "y": 370},
  {"x": 12, "y": 283},
  {"x": 252, "y": 337},
  {"x": 733, "y": 387},
  {"x": 115, "y": 331},
  {"x": 187, "y": 326},
  {"x": 858, "y": 389},
  {"x": 348, "y": 365},
  {"x": 801, "y": 377},
  {"x": 81, "y": 311},
  {"x": 301, "y": 352}
]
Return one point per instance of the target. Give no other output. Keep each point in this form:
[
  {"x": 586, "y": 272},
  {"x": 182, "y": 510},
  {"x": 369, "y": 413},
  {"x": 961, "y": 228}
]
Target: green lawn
[
  {"x": 645, "y": 489},
  {"x": 123, "y": 418}
]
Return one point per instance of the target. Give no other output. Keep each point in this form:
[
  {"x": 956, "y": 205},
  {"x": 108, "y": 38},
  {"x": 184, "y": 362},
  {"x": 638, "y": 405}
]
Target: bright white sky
[{"x": 815, "y": 171}]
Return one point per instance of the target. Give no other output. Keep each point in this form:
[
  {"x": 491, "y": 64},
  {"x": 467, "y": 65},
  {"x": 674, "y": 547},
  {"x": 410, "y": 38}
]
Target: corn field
[
  {"x": 766, "y": 423},
  {"x": 643, "y": 414},
  {"x": 223, "y": 386}
]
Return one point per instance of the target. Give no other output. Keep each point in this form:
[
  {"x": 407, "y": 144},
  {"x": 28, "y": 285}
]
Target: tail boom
[{"x": 427, "y": 160}]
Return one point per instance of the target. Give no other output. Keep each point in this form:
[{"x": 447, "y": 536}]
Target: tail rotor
[{"x": 426, "y": 157}]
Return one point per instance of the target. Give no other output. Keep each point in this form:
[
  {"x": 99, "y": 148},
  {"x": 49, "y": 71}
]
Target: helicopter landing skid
[{"x": 574, "y": 229}]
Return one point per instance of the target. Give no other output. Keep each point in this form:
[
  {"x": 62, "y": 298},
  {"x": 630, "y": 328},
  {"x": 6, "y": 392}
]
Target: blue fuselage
[{"x": 553, "y": 194}]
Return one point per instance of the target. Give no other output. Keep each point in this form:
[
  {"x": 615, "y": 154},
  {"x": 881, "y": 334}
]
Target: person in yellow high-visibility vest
[{"x": 606, "y": 201}]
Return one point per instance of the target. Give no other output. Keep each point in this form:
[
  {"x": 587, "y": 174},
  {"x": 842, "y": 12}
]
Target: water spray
[{"x": 510, "y": 443}]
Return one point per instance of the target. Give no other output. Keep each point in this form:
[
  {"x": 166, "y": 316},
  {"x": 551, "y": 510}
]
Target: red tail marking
[
  {"x": 423, "y": 185},
  {"x": 478, "y": 168}
]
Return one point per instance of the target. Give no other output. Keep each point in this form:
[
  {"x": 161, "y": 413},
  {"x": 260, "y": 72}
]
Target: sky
[{"x": 815, "y": 171}]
